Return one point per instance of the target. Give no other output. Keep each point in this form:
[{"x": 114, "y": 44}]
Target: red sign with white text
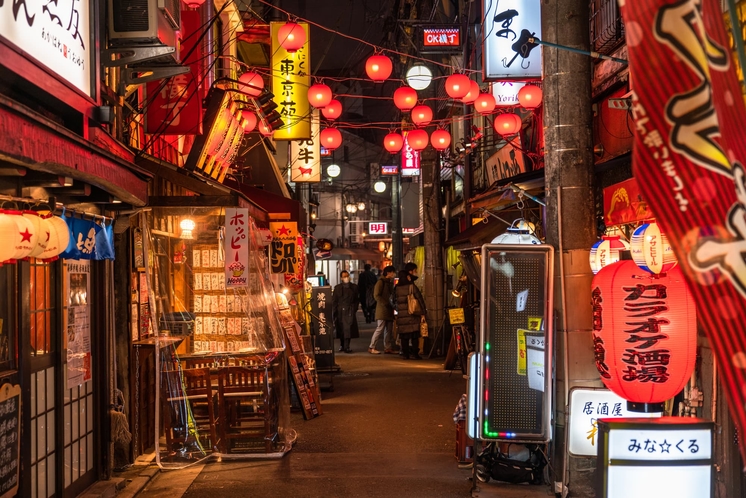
[
  {"x": 445, "y": 37},
  {"x": 174, "y": 105},
  {"x": 410, "y": 159}
]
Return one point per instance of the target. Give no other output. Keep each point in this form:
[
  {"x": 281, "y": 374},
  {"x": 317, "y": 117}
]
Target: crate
[{"x": 464, "y": 444}]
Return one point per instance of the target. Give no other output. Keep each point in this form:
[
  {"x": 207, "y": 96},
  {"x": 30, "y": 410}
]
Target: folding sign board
[
  {"x": 508, "y": 26},
  {"x": 515, "y": 343}
]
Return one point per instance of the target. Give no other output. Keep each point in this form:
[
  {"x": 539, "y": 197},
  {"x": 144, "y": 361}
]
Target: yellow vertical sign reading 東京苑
[{"x": 291, "y": 77}]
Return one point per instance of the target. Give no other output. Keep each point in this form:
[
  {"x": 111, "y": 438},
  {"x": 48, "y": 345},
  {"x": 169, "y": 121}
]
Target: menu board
[
  {"x": 321, "y": 321},
  {"x": 10, "y": 441},
  {"x": 300, "y": 367}
]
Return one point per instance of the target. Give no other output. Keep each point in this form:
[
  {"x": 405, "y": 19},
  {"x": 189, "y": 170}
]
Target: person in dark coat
[
  {"x": 383, "y": 292},
  {"x": 345, "y": 298},
  {"x": 366, "y": 282},
  {"x": 408, "y": 325}
]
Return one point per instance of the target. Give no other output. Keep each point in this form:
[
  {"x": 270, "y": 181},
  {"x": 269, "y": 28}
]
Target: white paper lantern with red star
[
  {"x": 8, "y": 230},
  {"x": 41, "y": 227},
  {"x": 24, "y": 240},
  {"x": 59, "y": 238}
]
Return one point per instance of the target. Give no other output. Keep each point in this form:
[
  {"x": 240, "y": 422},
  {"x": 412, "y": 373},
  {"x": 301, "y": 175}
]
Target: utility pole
[
  {"x": 434, "y": 299},
  {"x": 397, "y": 254},
  {"x": 570, "y": 215}
]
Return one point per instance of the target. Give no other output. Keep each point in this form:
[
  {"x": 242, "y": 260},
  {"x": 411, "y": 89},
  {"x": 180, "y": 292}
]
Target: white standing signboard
[
  {"x": 236, "y": 247},
  {"x": 56, "y": 33},
  {"x": 586, "y": 407},
  {"x": 78, "y": 322},
  {"x": 508, "y": 24}
]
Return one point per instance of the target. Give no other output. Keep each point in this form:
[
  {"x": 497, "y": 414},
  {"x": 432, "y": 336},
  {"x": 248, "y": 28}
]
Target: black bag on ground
[{"x": 492, "y": 464}]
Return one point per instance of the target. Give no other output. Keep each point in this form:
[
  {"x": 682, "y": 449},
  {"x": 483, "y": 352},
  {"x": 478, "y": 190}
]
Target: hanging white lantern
[
  {"x": 520, "y": 232},
  {"x": 651, "y": 250},
  {"x": 24, "y": 240},
  {"x": 41, "y": 227},
  {"x": 59, "y": 238},
  {"x": 606, "y": 251},
  {"x": 8, "y": 231}
]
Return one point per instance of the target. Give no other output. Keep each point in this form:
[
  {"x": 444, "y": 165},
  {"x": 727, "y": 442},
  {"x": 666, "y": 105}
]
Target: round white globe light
[
  {"x": 419, "y": 77},
  {"x": 379, "y": 187},
  {"x": 333, "y": 171}
]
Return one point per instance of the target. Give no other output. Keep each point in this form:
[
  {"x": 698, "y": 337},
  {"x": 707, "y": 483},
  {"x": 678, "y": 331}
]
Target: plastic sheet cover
[{"x": 221, "y": 368}]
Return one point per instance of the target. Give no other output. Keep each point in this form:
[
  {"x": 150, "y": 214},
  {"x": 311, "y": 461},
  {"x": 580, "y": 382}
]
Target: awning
[
  {"x": 477, "y": 235},
  {"x": 506, "y": 192},
  {"x": 346, "y": 253},
  {"x": 278, "y": 207}
]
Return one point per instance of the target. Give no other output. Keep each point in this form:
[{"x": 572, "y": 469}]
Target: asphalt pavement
[{"x": 387, "y": 431}]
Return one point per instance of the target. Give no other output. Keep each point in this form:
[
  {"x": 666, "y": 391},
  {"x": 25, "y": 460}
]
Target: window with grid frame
[{"x": 607, "y": 27}]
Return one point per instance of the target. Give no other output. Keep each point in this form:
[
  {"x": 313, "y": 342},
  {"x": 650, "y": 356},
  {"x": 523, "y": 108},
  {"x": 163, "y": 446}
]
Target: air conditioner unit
[{"x": 153, "y": 22}]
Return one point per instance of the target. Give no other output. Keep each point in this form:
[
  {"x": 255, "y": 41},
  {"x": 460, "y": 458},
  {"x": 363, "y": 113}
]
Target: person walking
[
  {"x": 366, "y": 283},
  {"x": 382, "y": 293},
  {"x": 345, "y": 298},
  {"x": 408, "y": 324}
]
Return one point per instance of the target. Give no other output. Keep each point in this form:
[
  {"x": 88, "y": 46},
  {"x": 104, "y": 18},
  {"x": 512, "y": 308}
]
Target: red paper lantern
[
  {"x": 440, "y": 139},
  {"x": 264, "y": 129},
  {"x": 457, "y": 86},
  {"x": 251, "y": 83},
  {"x": 485, "y": 103},
  {"x": 606, "y": 251},
  {"x": 417, "y": 139},
  {"x": 507, "y": 124},
  {"x": 333, "y": 110},
  {"x": 644, "y": 334},
  {"x": 331, "y": 138},
  {"x": 378, "y": 67},
  {"x": 422, "y": 115},
  {"x": 291, "y": 36},
  {"x": 319, "y": 95},
  {"x": 473, "y": 93},
  {"x": 530, "y": 96},
  {"x": 194, "y": 4},
  {"x": 249, "y": 121},
  {"x": 393, "y": 142},
  {"x": 405, "y": 98}
]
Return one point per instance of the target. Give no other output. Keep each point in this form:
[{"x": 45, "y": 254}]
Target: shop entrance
[{"x": 61, "y": 433}]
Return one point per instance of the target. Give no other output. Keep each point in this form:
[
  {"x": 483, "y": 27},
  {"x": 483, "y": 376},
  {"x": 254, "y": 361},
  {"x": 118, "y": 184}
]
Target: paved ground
[{"x": 386, "y": 431}]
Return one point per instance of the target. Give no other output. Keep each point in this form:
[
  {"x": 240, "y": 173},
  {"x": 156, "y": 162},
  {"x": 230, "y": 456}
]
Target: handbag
[
  {"x": 413, "y": 305},
  {"x": 423, "y": 329}
]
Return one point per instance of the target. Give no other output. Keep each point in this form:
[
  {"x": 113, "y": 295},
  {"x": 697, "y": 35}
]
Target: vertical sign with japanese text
[
  {"x": 56, "y": 33},
  {"x": 236, "y": 247},
  {"x": 10, "y": 440},
  {"x": 305, "y": 155},
  {"x": 508, "y": 25},
  {"x": 321, "y": 319},
  {"x": 410, "y": 159},
  {"x": 78, "y": 344},
  {"x": 283, "y": 249},
  {"x": 291, "y": 77}
]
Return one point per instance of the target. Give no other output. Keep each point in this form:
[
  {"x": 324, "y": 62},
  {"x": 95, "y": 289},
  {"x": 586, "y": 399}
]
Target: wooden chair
[
  {"x": 248, "y": 410},
  {"x": 189, "y": 409}
]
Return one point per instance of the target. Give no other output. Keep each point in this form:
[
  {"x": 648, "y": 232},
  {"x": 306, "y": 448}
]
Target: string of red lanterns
[
  {"x": 422, "y": 115},
  {"x": 291, "y": 36},
  {"x": 333, "y": 110},
  {"x": 319, "y": 95},
  {"x": 405, "y": 98},
  {"x": 331, "y": 138},
  {"x": 440, "y": 139},
  {"x": 378, "y": 67},
  {"x": 393, "y": 142}
]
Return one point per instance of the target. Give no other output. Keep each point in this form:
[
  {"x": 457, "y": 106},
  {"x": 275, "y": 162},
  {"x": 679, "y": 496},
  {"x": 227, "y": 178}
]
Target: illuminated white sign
[
  {"x": 55, "y": 33},
  {"x": 508, "y": 25},
  {"x": 378, "y": 228},
  {"x": 506, "y": 92},
  {"x": 586, "y": 407}
]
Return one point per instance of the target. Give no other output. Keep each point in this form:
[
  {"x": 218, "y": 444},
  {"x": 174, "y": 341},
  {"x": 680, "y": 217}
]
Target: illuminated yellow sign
[{"x": 291, "y": 77}]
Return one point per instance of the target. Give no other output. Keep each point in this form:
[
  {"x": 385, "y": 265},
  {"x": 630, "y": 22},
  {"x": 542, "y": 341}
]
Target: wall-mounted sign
[
  {"x": 283, "y": 250},
  {"x": 506, "y": 162},
  {"x": 214, "y": 151},
  {"x": 623, "y": 203},
  {"x": 291, "y": 77},
  {"x": 648, "y": 458},
  {"x": 305, "y": 155},
  {"x": 10, "y": 439},
  {"x": 390, "y": 170},
  {"x": 378, "y": 228},
  {"x": 410, "y": 159},
  {"x": 506, "y": 92},
  {"x": 236, "y": 247},
  {"x": 56, "y": 33},
  {"x": 587, "y": 407},
  {"x": 175, "y": 105},
  {"x": 507, "y": 27},
  {"x": 441, "y": 37}
]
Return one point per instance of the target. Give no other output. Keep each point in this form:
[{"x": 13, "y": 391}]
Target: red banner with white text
[{"x": 688, "y": 154}]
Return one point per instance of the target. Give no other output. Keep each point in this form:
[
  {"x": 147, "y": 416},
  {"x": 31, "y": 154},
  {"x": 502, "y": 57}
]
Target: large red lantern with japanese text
[
  {"x": 331, "y": 138},
  {"x": 319, "y": 95},
  {"x": 333, "y": 110},
  {"x": 417, "y": 139},
  {"x": 422, "y": 115},
  {"x": 457, "y": 86},
  {"x": 393, "y": 142},
  {"x": 378, "y": 67},
  {"x": 405, "y": 98},
  {"x": 507, "y": 124},
  {"x": 291, "y": 36},
  {"x": 644, "y": 334},
  {"x": 440, "y": 139}
]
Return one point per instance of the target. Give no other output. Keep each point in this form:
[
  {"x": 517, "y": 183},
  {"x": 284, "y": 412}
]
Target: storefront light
[
  {"x": 379, "y": 187},
  {"x": 361, "y": 206},
  {"x": 333, "y": 171},
  {"x": 187, "y": 226},
  {"x": 419, "y": 77}
]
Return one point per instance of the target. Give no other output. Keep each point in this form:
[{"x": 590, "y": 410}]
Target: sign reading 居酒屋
[
  {"x": 236, "y": 247},
  {"x": 305, "y": 155},
  {"x": 55, "y": 33},
  {"x": 291, "y": 77},
  {"x": 508, "y": 25}
]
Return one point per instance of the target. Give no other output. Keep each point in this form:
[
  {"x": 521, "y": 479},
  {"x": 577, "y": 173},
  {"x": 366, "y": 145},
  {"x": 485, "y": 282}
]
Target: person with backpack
[{"x": 411, "y": 311}]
